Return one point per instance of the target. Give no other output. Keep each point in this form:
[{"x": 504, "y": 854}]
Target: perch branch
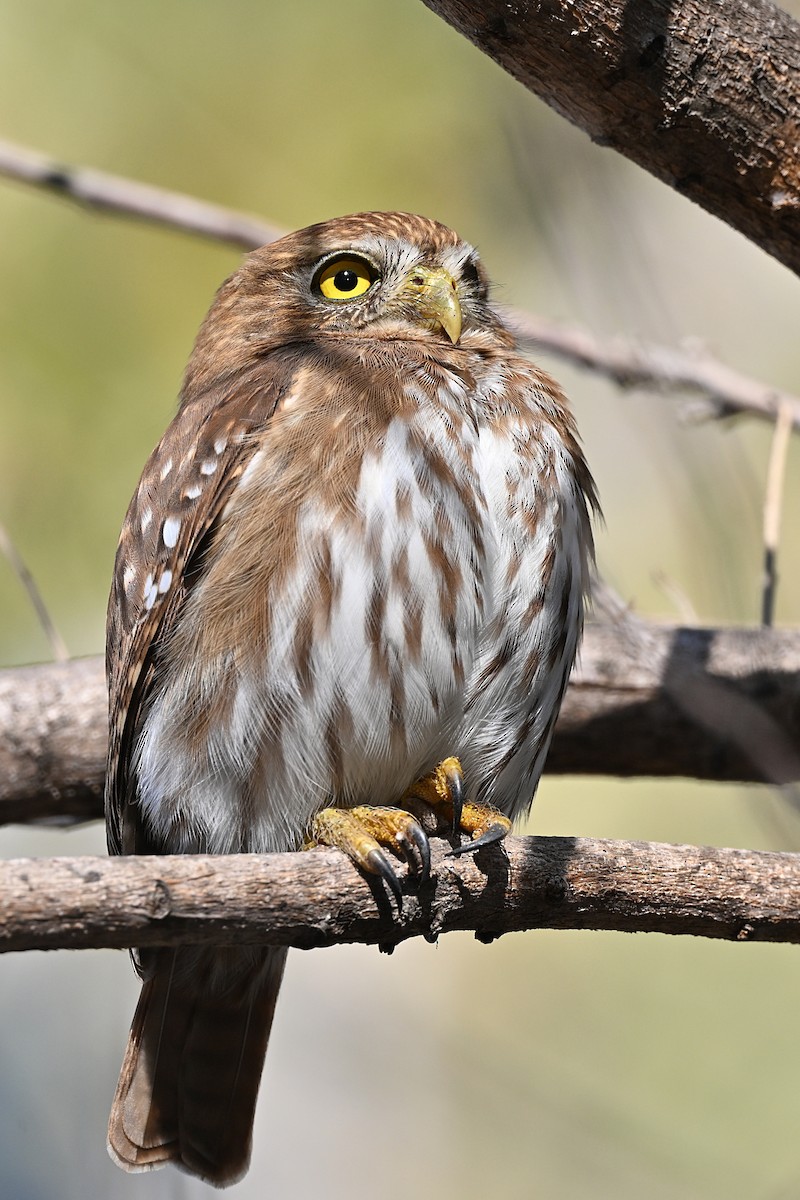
[
  {"x": 645, "y": 700},
  {"x": 705, "y": 96},
  {"x": 725, "y": 392},
  {"x": 319, "y": 899}
]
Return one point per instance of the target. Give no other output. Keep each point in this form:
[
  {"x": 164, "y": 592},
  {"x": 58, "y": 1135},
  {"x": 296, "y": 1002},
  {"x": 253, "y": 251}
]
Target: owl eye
[{"x": 345, "y": 278}]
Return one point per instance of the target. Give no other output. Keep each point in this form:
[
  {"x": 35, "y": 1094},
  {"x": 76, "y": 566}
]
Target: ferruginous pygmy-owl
[{"x": 356, "y": 558}]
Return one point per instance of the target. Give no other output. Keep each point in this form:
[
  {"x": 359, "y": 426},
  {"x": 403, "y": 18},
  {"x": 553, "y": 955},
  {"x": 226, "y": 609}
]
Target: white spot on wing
[
  {"x": 150, "y": 592},
  {"x": 220, "y": 444},
  {"x": 172, "y": 528},
  {"x": 147, "y": 517},
  {"x": 167, "y": 467},
  {"x": 208, "y": 468},
  {"x": 193, "y": 492},
  {"x": 165, "y": 581},
  {"x": 128, "y": 576}
]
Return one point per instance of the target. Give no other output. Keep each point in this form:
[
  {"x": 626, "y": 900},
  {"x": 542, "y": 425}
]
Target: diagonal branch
[
  {"x": 705, "y": 96},
  {"x": 20, "y": 568},
  {"x": 645, "y": 700},
  {"x": 127, "y": 198},
  {"x": 660, "y": 368},
  {"x": 721, "y": 391},
  {"x": 319, "y": 899}
]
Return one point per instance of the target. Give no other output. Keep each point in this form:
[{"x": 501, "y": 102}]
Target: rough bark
[
  {"x": 319, "y": 899},
  {"x": 705, "y": 96},
  {"x": 53, "y": 737},
  {"x": 710, "y": 704}
]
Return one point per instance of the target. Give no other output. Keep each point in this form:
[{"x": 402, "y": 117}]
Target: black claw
[
  {"x": 456, "y": 782},
  {"x": 380, "y": 865},
  {"x": 495, "y": 833},
  {"x": 415, "y": 837}
]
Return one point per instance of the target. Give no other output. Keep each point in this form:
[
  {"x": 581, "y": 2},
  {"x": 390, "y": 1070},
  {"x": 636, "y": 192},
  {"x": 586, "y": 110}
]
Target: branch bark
[
  {"x": 705, "y": 96},
  {"x": 719, "y": 391},
  {"x": 128, "y": 198},
  {"x": 645, "y": 700},
  {"x": 319, "y": 899}
]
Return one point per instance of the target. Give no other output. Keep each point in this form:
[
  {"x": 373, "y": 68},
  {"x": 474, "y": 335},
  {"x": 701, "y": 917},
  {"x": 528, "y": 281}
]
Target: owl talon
[
  {"x": 378, "y": 864},
  {"x": 414, "y": 838},
  {"x": 496, "y": 832},
  {"x": 455, "y": 781},
  {"x": 443, "y": 791},
  {"x": 361, "y": 832}
]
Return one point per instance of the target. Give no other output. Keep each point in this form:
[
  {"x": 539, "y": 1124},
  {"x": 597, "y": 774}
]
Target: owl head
[{"x": 372, "y": 275}]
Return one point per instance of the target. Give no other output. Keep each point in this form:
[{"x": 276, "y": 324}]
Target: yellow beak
[{"x": 434, "y": 294}]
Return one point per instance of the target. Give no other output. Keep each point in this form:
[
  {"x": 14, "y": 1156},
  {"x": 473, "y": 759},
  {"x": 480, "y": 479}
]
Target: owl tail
[{"x": 189, "y": 1081}]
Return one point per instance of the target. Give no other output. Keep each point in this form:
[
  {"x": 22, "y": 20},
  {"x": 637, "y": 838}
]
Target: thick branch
[
  {"x": 704, "y": 95},
  {"x": 712, "y": 704},
  {"x": 53, "y": 739},
  {"x": 319, "y": 899}
]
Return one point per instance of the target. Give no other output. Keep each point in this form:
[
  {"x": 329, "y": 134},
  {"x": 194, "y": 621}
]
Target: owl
[{"x": 353, "y": 570}]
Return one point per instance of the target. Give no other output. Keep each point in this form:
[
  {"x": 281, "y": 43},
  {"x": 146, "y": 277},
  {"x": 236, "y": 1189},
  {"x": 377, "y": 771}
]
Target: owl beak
[{"x": 434, "y": 294}]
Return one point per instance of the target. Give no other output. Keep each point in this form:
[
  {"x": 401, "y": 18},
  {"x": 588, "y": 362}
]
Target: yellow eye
[{"x": 345, "y": 278}]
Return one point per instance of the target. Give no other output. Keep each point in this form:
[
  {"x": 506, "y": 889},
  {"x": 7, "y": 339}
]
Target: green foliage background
[{"x": 580, "y": 1066}]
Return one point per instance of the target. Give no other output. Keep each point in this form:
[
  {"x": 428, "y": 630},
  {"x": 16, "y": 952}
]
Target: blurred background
[{"x": 572, "y": 1065}]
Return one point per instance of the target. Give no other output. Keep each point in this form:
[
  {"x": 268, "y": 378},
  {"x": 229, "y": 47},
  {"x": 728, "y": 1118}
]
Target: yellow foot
[
  {"x": 360, "y": 832},
  {"x": 443, "y": 791}
]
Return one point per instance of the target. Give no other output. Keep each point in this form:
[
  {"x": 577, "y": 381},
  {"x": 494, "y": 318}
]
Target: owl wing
[{"x": 168, "y": 528}]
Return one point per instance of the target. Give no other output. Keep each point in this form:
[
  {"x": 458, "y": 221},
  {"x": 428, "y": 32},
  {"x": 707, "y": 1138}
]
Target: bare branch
[
  {"x": 319, "y": 899},
  {"x": 645, "y": 700},
  {"x": 725, "y": 392},
  {"x": 704, "y": 96},
  {"x": 18, "y": 566},
  {"x": 125, "y": 197}
]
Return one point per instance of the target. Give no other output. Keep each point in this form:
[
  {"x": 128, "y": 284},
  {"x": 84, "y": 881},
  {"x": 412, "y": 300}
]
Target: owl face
[
  {"x": 360, "y": 276},
  {"x": 380, "y": 285}
]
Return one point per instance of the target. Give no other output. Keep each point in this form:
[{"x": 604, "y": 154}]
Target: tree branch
[
  {"x": 127, "y": 198},
  {"x": 720, "y": 391},
  {"x": 53, "y": 739},
  {"x": 645, "y": 700},
  {"x": 661, "y": 368},
  {"x": 704, "y": 96},
  {"x": 319, "y": 899}
]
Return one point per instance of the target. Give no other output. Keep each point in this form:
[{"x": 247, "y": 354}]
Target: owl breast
[{"x": 356, "y": 624}]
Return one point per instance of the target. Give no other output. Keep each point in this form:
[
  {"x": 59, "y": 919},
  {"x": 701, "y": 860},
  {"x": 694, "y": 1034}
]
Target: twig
[
  {"x": 773, "y": 502},
  {"x": 319, "y": 899},
  {"x": 17, "y": 563},
  {"x": 724, "y": 390},
  {"x": 125, "y": 197}
]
